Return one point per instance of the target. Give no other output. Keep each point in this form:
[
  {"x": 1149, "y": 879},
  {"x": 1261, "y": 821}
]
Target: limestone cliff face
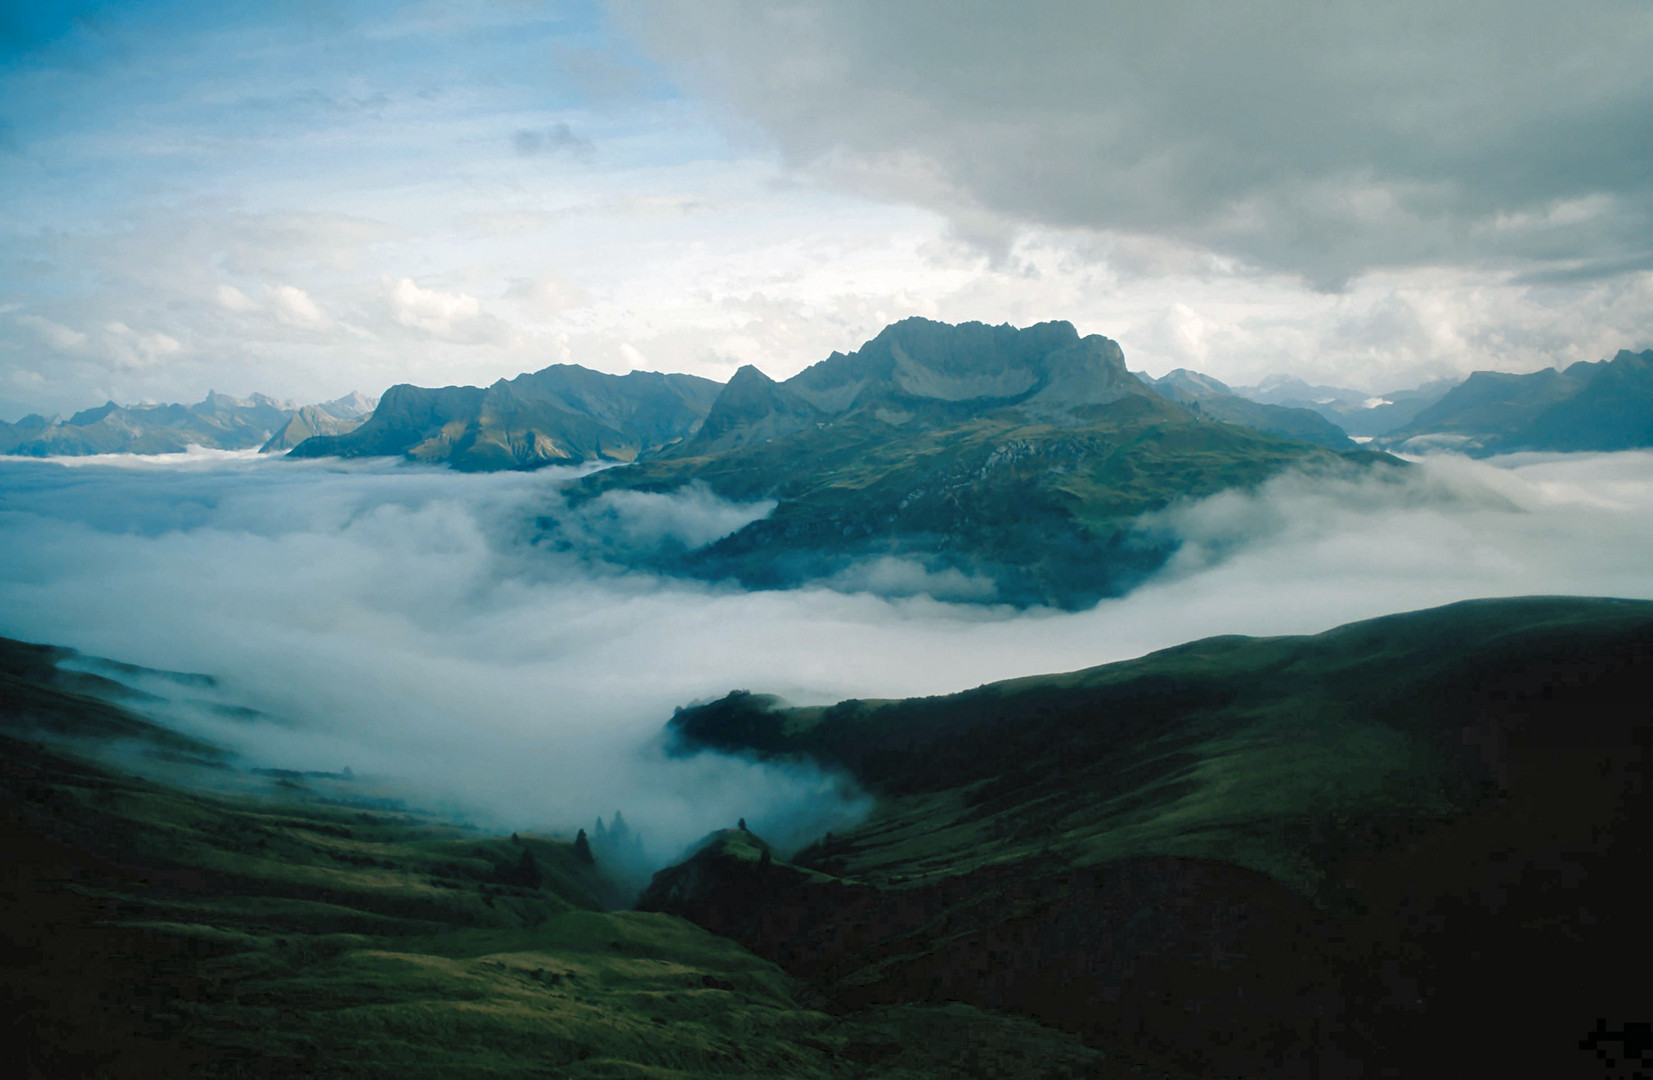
[
  {"x": 1045, "y": 367},
  {"x": 919, "y": 367}
]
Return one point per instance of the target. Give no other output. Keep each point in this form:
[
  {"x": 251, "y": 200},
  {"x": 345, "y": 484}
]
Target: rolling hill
[
  {"x": 1403, "y": 847},
  {"x": 229, "y": 922}
]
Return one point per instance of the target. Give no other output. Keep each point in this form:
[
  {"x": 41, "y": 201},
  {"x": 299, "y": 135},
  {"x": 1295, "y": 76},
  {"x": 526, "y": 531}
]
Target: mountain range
[
  {"x": 1359, "y": 414},
  {"x": 567, "y": 414},
  {"x": 1606, "y": 405},
  {"x": 218, "y": 422},
  {"x": 1209, "y": 396},
  {"x": 564, "y": 414},
  {"x": 1014, "y": 463}
]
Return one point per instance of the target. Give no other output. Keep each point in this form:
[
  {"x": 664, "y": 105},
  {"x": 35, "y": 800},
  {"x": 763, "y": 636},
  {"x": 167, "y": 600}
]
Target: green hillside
[
  {"x": 288, "y": 926},
  {"x": 1293, "y": 856}
]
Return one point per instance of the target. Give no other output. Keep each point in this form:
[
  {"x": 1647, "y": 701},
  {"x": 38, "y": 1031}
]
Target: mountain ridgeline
[
  {"x": 1607, "y": 405},
  {"x": 219, "y": 422},
  {"x": 1000, "y": 463},
  {"x": 1210, "y": 396},
  {"x": 565, "y": 414}
]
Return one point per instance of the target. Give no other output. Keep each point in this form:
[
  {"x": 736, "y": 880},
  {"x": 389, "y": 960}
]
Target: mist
[{"x": 404, "y": 623}]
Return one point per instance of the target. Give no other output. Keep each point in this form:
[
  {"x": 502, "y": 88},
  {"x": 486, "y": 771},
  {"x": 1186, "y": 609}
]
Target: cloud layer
[
  {"x": 401, "y": 622},
  {"x": 1328, "y": 141}
]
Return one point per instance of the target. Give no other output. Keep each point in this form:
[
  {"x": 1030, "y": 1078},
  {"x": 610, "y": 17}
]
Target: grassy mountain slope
[
  {"x": 293, "y": 928},
  {"x": 1022, "y": 457},
  {"x": 1388, "y": 846},
  {"x": 563, "y": 414}
]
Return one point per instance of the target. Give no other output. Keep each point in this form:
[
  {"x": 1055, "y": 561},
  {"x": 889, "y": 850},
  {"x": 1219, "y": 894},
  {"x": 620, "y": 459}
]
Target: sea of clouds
[{"x": 411, "y": 624}]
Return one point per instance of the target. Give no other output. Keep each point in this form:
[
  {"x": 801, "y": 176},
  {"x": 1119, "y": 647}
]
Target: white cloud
[
  {"x": 456, "y": 317},
  {"x": 55, "y": 335},
  {"x": 294, "y": 307},
  {"x": 129, "y": 350},
  {"x": 231, "y": 298},
  {"x": 547, "y": 295}
]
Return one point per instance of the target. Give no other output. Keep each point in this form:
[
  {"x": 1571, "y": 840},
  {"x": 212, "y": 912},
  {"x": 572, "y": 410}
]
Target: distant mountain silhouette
[
  {"x": 565, "y": 414},
  {"x": 1607, "y": 405},
  {"x": 1212, "y": 398},
  {"x": 218, "y": 422}
]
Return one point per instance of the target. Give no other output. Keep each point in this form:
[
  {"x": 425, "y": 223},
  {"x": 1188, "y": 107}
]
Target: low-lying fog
[{"x": 398, "y": 621}]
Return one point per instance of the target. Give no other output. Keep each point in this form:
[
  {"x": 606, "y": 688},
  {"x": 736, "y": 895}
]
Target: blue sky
[{"x": 310, "y": 199}]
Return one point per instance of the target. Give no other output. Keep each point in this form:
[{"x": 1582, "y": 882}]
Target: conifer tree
[{"x": 582, "y": 848}]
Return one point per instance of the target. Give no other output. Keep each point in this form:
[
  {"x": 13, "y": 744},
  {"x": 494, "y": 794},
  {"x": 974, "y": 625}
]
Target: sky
[{"x": 312, "y": 198}]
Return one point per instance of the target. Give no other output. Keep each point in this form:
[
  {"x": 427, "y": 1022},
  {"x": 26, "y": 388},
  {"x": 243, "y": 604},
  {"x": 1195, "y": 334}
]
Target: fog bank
[{"x": 401, "y": 621}]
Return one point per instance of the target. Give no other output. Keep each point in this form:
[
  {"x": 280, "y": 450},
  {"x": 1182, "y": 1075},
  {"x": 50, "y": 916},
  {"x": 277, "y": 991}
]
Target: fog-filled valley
[{"x": 403, "y": 622}]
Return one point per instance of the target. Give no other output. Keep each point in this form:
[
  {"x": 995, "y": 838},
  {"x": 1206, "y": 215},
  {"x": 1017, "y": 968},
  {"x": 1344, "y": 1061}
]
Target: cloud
[
  {"x": 558, "y": 139},
  {"x": 548, "y": 295},
  {"x": 231, "y": 298},
  {"x": 55, "y": 335},
  {"x": 628, "y": 526},
  {"x": 456, "y": 317},
  {"x": 126, "y": 349},
  {"x": 1326, "y": 142},
  {"x": 399, "y": 621},
  {"x": 294, "y": 307}
]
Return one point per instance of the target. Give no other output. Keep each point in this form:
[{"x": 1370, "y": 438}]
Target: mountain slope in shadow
[{"x": 1400, "y": 847}]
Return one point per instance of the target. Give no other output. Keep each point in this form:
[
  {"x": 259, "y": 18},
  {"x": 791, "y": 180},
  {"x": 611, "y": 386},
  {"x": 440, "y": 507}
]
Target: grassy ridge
[
  {"x": 1231, "y": 748},
  {"x": 1315, "y": 856},
  {"x": 147, "y": 930}
]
